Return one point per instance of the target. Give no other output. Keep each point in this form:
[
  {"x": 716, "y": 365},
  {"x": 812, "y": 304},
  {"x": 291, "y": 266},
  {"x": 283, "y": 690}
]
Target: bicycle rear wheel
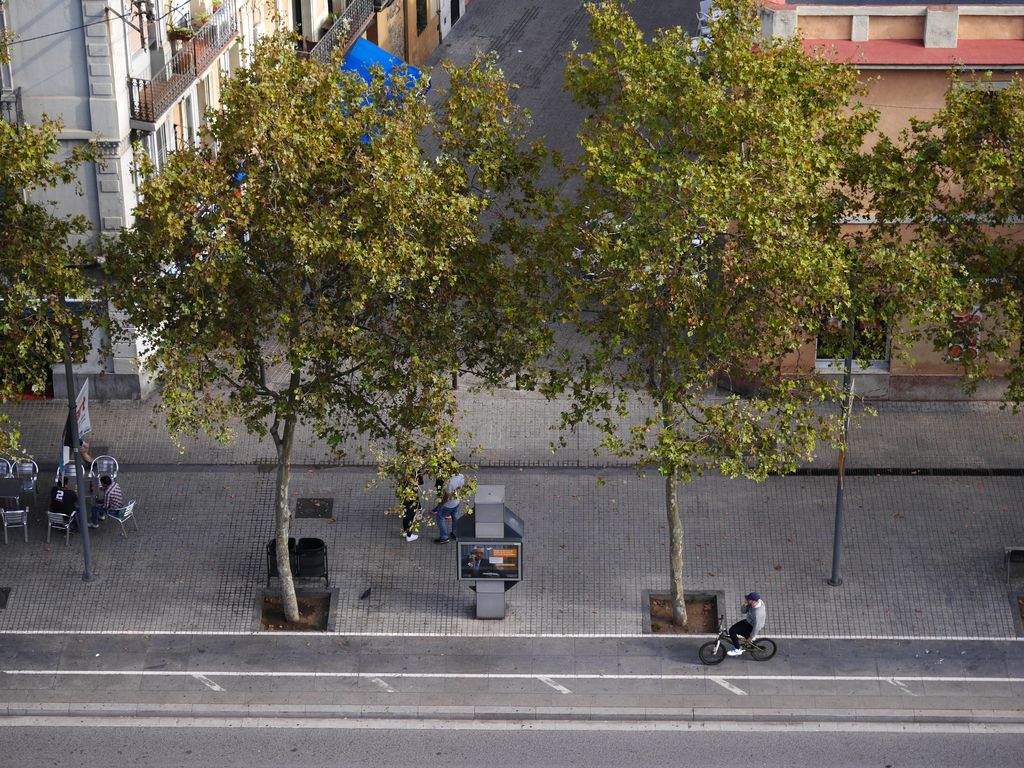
[
  {"x": 763, "y": 649},
  {"x": 712, "y": 652}
]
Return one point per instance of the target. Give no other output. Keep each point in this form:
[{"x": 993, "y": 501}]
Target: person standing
[
  {"x": 113, "y": 498},
  {"x": 449, "y": 506},
  {"x": 751, "y": 625},
  {"x": 410, "y": 508}
]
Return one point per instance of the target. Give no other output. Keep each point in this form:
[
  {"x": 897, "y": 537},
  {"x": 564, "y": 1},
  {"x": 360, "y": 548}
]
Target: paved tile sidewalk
[{"x": 922, "y": 556}]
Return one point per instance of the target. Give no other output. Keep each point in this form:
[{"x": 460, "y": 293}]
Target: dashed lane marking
[
  {"x": 382, "y": 684},
  {"x": 206, "y": 681},
  {"x": 901, "y": 685},
  {"x": 728, "y": 686},
  {"x": 553, "y": 684}
]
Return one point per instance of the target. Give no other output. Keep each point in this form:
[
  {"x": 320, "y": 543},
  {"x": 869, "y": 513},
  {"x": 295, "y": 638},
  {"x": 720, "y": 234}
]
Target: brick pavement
[{"x": 922, "y": 556}]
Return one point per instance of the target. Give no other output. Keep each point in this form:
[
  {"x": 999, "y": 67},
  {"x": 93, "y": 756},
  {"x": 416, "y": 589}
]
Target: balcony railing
[
  {"x": 151, "y": 98},
  {"x": 10, "y": 107},
  {"x": 344, "y": 32}
]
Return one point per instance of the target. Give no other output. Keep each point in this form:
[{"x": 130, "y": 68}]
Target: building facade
[
  {"x": 120, "y": 73},
  {"x": 906, "y": 54}
]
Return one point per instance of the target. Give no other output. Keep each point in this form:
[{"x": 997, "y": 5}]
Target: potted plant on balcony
[
  {"x": 217, "y": 5},
  {"x": 200, "y": 20},
  {"x": 174, "y": 32}
]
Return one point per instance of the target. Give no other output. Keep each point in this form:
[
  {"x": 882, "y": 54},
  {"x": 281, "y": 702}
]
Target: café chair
[
  {"x": 27, "y": 471},
  {"x": 14, "y": 518},
  {"x": 58, "y": 521},
  {"x": 103, "y": 465},
  {"x": 6, "y": 468},
  {"x": 123, "y": 515}
]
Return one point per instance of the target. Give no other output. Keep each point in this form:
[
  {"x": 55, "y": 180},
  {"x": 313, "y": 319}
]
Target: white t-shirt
[{"x": 453, "y": 484}]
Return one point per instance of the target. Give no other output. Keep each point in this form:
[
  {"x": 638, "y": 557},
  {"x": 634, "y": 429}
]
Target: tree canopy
[
  {"x": 321, "y": 266},
  {"x": 43, "y": 260},
  {"x": 705, "y": 242},
  {"x": 956, "y": 192}
]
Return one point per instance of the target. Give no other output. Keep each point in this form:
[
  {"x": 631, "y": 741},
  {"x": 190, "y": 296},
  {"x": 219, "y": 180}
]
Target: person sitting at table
[
  {"x": 65, "y": 501},
  {"x": 112, "y": 497}
]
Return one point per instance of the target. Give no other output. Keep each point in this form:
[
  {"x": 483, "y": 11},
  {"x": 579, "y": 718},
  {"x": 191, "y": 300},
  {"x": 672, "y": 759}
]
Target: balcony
[
  {"x": 152, "y": 98},
  {"x": 10, "y": 107},
  {"x": 344, "y": 32}
]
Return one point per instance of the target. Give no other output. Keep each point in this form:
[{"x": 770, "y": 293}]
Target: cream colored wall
[
  {"x": 991, "y": 28},
  {"x": 420, "y": 46},
  {"x": 901, "y": 94},
  {"x": 389, "y": 31},
  {"x": 896, "y": 28},
  {"x": 824, "y": 27}
]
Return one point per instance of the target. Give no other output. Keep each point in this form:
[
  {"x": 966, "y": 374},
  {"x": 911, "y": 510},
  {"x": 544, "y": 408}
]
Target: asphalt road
[{"x": 257, "y": 746}]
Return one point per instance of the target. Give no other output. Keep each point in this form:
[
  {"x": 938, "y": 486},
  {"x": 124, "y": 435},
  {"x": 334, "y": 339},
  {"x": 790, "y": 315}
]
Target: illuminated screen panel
[{"x": 498, "y": 560}]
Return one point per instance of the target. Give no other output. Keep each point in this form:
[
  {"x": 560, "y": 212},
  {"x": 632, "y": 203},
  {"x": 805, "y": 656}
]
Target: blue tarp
[{"x": 365, "y": 55}]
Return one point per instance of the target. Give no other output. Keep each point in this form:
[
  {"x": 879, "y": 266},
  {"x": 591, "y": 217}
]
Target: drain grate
[
  {"x": 315, "y": 508},
  {"x": 5, "y": 592}
]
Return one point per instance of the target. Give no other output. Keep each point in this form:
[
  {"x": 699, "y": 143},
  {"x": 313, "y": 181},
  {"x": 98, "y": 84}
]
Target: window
[
  {"x": 870, "y": 344},
  {"x": 421, "y": 16}
]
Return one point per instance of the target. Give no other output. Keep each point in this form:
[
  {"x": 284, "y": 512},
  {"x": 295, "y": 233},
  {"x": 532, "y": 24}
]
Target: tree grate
[{"x": 315, "y": 508}]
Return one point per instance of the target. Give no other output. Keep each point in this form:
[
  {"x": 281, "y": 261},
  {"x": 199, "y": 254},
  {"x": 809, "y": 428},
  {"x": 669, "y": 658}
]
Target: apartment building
[{"x": 906, "y": 54}]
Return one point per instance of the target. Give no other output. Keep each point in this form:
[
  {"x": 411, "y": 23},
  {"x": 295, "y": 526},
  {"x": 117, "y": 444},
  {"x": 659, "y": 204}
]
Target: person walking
[
  {"x": 751, "y": 625},
  {"x": 450, "y": 505},
  {"x": 113, "y": 498}
]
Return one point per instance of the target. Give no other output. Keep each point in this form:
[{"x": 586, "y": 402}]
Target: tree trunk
[
  {"x": 675, "y": 548},
  {"x": 282, "y": 521}
]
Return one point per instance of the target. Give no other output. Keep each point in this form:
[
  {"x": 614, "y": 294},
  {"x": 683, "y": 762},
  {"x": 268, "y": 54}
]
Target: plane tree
[
  {"x": 704, "y": 246},
  {"x": 323, "y": 267}
]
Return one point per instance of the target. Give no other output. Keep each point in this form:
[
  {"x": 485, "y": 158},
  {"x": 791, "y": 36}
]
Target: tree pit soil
[
  {"x": 701, "y": 616},
  {"x": 314, "y": 612}
]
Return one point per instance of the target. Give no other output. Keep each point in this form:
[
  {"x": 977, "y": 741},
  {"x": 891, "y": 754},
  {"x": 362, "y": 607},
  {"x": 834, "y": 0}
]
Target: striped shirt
[{"x": 114, "y": 497}]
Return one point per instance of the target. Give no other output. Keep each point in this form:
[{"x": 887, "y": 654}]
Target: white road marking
[
  {"x": 382, "y": 684},
  {"x": 553, "y": 684},
  {"x": 470, "y": 636},
  {"x": 728, "y": 686},
  {"x": 901, "y": 685},
  {"x": 509, "y": 675},
  {"x": 206, "y": 681},
  {"x": 408, "y": 724}
]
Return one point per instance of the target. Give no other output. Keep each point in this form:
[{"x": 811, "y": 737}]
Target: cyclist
[{"x": 750, "y": 625}]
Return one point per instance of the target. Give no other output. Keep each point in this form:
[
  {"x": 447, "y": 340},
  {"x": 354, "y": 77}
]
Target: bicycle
[{"x": 713, "y": 651}]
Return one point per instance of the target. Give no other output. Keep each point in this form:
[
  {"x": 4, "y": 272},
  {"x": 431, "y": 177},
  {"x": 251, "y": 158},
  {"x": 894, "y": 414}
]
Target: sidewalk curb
[{"x": 472, "y": 714}]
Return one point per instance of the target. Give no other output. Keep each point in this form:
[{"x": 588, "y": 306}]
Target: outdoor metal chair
[
  {"x": 103, "y": 465},
  {"x": 6, "y": 468},
  {"x": 27, "y": 471},
  {"x": 67, "y": 470},
  {"x": 14, "y": 518},
  {"x": 123, "y": 515},
  {"x": 58, "y": 521}
]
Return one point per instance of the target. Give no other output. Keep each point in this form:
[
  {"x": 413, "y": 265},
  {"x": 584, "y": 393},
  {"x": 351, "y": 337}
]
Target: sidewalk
[{"x": 922, "y": 556}]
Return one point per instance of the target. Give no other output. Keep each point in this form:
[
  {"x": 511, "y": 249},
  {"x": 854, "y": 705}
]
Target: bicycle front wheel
[
  {"x": 763, "y": 649},
  {"x": 712, "y": 652}
]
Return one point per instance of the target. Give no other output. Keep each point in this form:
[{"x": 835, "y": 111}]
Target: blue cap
[{"x": 753, "y": 596}]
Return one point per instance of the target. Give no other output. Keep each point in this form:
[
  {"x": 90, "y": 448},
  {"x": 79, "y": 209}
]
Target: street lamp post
[
  {"x": 837, "y": 536},
  {"x": 83, "y": 520}
]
